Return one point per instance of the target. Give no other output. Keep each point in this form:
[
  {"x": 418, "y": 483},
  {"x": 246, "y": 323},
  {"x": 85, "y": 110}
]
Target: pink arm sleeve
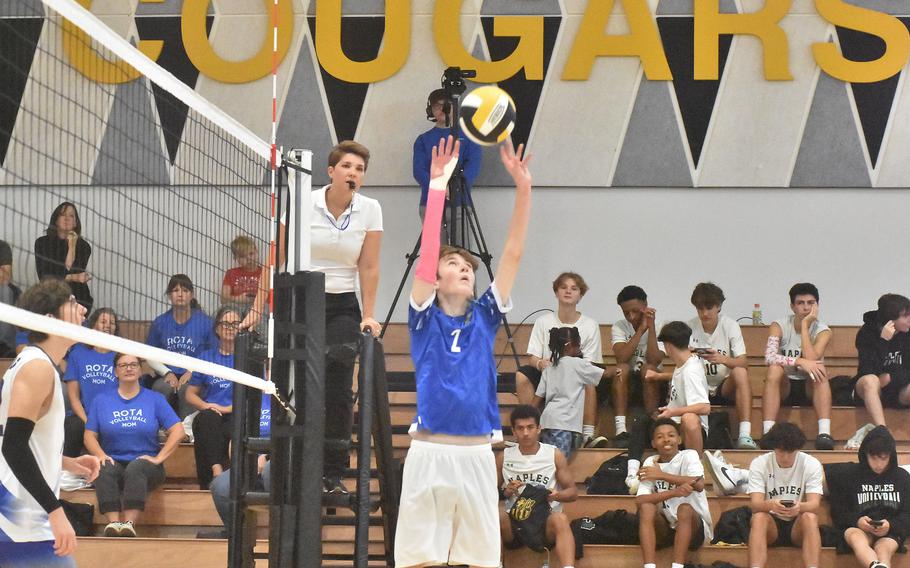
[
  {"x": 773, "y": 356},
  {"x": 428, "y": 262}
]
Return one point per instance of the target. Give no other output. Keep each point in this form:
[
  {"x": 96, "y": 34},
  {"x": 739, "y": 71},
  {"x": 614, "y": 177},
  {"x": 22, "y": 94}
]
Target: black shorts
[
  {"x": 636, "y": 389},
  {"x": 784, "y": 531},
  {"x": 798, "y": 396},
  {"x": 698, "y": 537},
  {"x": 518, "y": 543},
  {"x": 532, "y": 373},
  {"x": 718, "y": 399},
  {"x": 898, "y": 539},
  {"x": 891, "y": 393}
]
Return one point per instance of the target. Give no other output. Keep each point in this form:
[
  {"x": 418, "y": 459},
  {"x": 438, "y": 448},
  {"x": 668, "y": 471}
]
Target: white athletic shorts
[{"x": 448, "y": 512}]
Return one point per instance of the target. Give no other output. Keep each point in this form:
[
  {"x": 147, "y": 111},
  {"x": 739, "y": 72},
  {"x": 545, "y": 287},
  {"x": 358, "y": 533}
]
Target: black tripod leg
[{"x": 404, "y": 278}]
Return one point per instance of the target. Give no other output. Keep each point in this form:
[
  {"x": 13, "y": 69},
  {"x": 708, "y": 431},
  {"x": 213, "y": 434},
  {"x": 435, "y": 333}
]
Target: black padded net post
[{"x": 161, "y": 187}]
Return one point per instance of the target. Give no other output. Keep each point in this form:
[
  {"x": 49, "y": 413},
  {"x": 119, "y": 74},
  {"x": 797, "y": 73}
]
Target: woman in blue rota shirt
[
  {"x": 89, "y": 372},
  {"x": 122, "y": 432},
  {"x": 183, "y": 329},
  {"x": 213, "y": 398}
]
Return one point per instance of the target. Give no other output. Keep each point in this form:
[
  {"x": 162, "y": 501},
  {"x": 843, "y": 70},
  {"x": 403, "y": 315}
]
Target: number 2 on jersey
[{"x": 455, "y": 348}]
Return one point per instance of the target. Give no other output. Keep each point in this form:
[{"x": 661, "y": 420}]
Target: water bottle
[{"x": 756, "y": 315}]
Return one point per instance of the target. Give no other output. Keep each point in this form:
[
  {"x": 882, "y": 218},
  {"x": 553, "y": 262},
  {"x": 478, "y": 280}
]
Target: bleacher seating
[{"x": 175, "y": 513}]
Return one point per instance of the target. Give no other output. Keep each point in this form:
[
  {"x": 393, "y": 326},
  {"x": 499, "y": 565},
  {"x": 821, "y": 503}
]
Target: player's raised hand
[
  {"x": 516, "y": 163},
  {"x": 445, "y": 156}
]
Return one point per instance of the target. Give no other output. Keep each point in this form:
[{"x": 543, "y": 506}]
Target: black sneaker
[
  {"x": 334, "y": 486},
  {"x": 620, "y": 441},
  {"x": 824, "y": 442}
]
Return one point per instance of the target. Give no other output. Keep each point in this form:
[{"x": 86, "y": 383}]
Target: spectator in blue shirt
[
  {"x": 183, "y": 329},
  {"x": 122, "y": 432},
  {"x": 213, "y": 397},
  {"x": 89, "y": 372}
]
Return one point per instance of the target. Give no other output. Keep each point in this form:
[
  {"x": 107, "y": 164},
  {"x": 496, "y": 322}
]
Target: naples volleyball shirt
[
  {"x": 727, "y": 339},
  {"x": 785, "y": 484},
  {"x": 454, "y": 366},
  {"x": 687, "y": 387},
  {"x": 588, "y": 331},
  {"x": 128, "y": 427},
  {"x": 189, "y": 338},
  {"x": 215, "y": 390},
  {"x": 623, "y": 332},
  {"x": 22, "y": 519},
  {"x": 94, "y": 372},
  {"x": 791, "y": 343},
  {"x": 684, "y": 464},
  {"x": 531, "y": 469}
]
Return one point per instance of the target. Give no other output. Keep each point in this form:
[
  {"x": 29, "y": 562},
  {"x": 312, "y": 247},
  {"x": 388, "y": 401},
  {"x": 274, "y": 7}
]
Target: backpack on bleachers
[
  {"x": 529, "y": 516},
  {"x": 610, "y": 477},
  {"x": 733, "y": 526},
  {"x": 719, "y": 435},
  {"x": 841, "y": 391},
  {"x": 612, "y": 527}
]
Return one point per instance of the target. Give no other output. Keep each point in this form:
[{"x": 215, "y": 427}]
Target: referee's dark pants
[{"x": 342, "y": 339}]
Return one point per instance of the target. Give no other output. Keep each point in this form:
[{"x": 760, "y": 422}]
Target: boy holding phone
[
  {"x": 873, "y": 500},
  {"x": 785, "y": 487}
]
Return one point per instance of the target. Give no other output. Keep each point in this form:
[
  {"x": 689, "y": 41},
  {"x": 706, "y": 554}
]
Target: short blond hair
[
  {"x": 447, "y": 250},
  {"x": 242, "y": 245}
]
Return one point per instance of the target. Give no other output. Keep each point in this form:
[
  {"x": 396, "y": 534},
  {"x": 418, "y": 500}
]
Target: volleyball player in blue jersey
[{"x": 448, "y": 512}]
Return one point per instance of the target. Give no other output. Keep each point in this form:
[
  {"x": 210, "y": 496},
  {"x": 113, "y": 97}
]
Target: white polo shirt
[{"x": 335, "y": 244}]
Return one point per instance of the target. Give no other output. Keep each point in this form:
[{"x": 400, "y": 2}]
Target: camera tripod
[{"x": 460, "y": 223}]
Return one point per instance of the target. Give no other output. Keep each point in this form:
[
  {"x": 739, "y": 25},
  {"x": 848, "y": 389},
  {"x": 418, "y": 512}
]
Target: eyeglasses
[
  {"x": 229, "y": 324},
  {"x": 133, "y": 365}
]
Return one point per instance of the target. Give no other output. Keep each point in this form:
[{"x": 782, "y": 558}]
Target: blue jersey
[
  {"x": 128, "y": 428},
  {"x": 215, "y": 390},
  {"x": 93, "y": 370},
  {"x": 265, "y": 416},
  {"x": 190, "y": 338},
  {"x": 454, "y": 367}
]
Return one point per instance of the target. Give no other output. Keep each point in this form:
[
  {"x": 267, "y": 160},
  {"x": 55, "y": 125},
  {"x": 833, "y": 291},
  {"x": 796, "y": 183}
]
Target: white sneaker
[
  {"x": 857, "y": 439},
  {"x": 727, "y": 478},
  {"x": 632, "y": 483}
]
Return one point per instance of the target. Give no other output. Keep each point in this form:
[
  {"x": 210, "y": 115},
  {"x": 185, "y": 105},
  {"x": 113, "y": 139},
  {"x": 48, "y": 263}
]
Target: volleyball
[{"x": 487, "y": 115}]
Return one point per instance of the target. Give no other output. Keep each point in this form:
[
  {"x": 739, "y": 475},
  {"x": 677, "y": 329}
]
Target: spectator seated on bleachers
[
  {"x": 870, "y": 500},
  {"x": 563, "y": 389},
  {"x": 785, "y": 489},
  {"x": 62, "y": 252},
  {"x": 221, "y": 485},
  {"x": 183, "y": 329},
  {"x": 213, "y": 398},
  {"x": 533, "y": 463},
  {"x": 8, "y": 295},
  {"x": 718, "y": 341},
  {"x": 89, "y": 373},
  {"x": 883, "y": 375},
  {"x": 569, "y": 289},
  {"x": 241, "y": 283},
  {"x": 122, "y": 431},
  {"x": 795, "y": 355},
  {"x": 636, "y": 347},
  {"x": 672, "y": 505}
]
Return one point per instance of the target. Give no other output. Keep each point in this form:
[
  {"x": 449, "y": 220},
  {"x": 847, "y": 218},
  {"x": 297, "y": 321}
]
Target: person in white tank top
[
  {"x": 795, "y": 357},
  {"x": 34, "y": 530},
  {"x": 530, "y": 462}
]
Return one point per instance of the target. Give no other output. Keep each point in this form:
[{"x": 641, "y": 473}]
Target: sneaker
[
  {"x": 746, "y": 443},
  {"x": 127, "y": 529},
  {"x": 632, "y": 483},
  {"x": 824, "y": 442},
  {"x": 877, "y": 564},
  {"x": 621, "y": 440},
  {"x": 113, "y": 529},
  {"x": 722, "y": 473},
  {"x": 597, "y": 442},
  {"x": 857, "y": 439},
  {"x": 334, "y": 486}
]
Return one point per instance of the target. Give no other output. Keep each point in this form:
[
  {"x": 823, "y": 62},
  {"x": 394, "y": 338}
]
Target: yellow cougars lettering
[
  {"x": 396, "y": 43},
  {"x": 887, "y": 27},
  {"x": 209, "y": 63},
  {"x": 78, "y": 49},
  {"x": 710, "y": 23},
  {"x": 528, "y": 55},
  {"x": 643, "y": 41}
]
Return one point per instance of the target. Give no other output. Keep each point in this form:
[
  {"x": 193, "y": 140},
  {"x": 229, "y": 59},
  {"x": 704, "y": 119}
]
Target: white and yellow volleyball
[{"x": 487, "y": 115}]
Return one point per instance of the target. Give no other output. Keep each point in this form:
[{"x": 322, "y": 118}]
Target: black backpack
[
  {"x": 719, "y": 435},
  {"x": 529, "y": 517},
  {"x": 610, "y": 477},
  {"x": 733, "y": 526},
  {"x": 612, "y": 527}
]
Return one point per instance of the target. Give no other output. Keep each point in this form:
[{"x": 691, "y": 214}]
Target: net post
[
  {"x": 364, "y": 431},
  {"x": 241, "y": 539},
  {"x": 300, "y": 185}
]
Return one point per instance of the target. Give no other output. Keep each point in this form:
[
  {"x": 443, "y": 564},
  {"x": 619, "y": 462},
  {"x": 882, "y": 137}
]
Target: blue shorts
[
  {"x": 38, "y": 554},
  {"x": 566, "y": 440}
]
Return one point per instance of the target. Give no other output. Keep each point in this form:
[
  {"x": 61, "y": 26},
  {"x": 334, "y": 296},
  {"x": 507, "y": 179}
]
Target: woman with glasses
[
  {"x": 122, "y": 432},
  {"x": 89, "y": 372},
  {"x": 183, "y": 329},
  {"x": 213, "y": 398}
]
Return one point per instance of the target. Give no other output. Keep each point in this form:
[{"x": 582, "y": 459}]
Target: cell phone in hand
[
  {"x": 877, "y": 524},
  {"x": 788, "y": 503},
  {"x": 702, "y": 350}
]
